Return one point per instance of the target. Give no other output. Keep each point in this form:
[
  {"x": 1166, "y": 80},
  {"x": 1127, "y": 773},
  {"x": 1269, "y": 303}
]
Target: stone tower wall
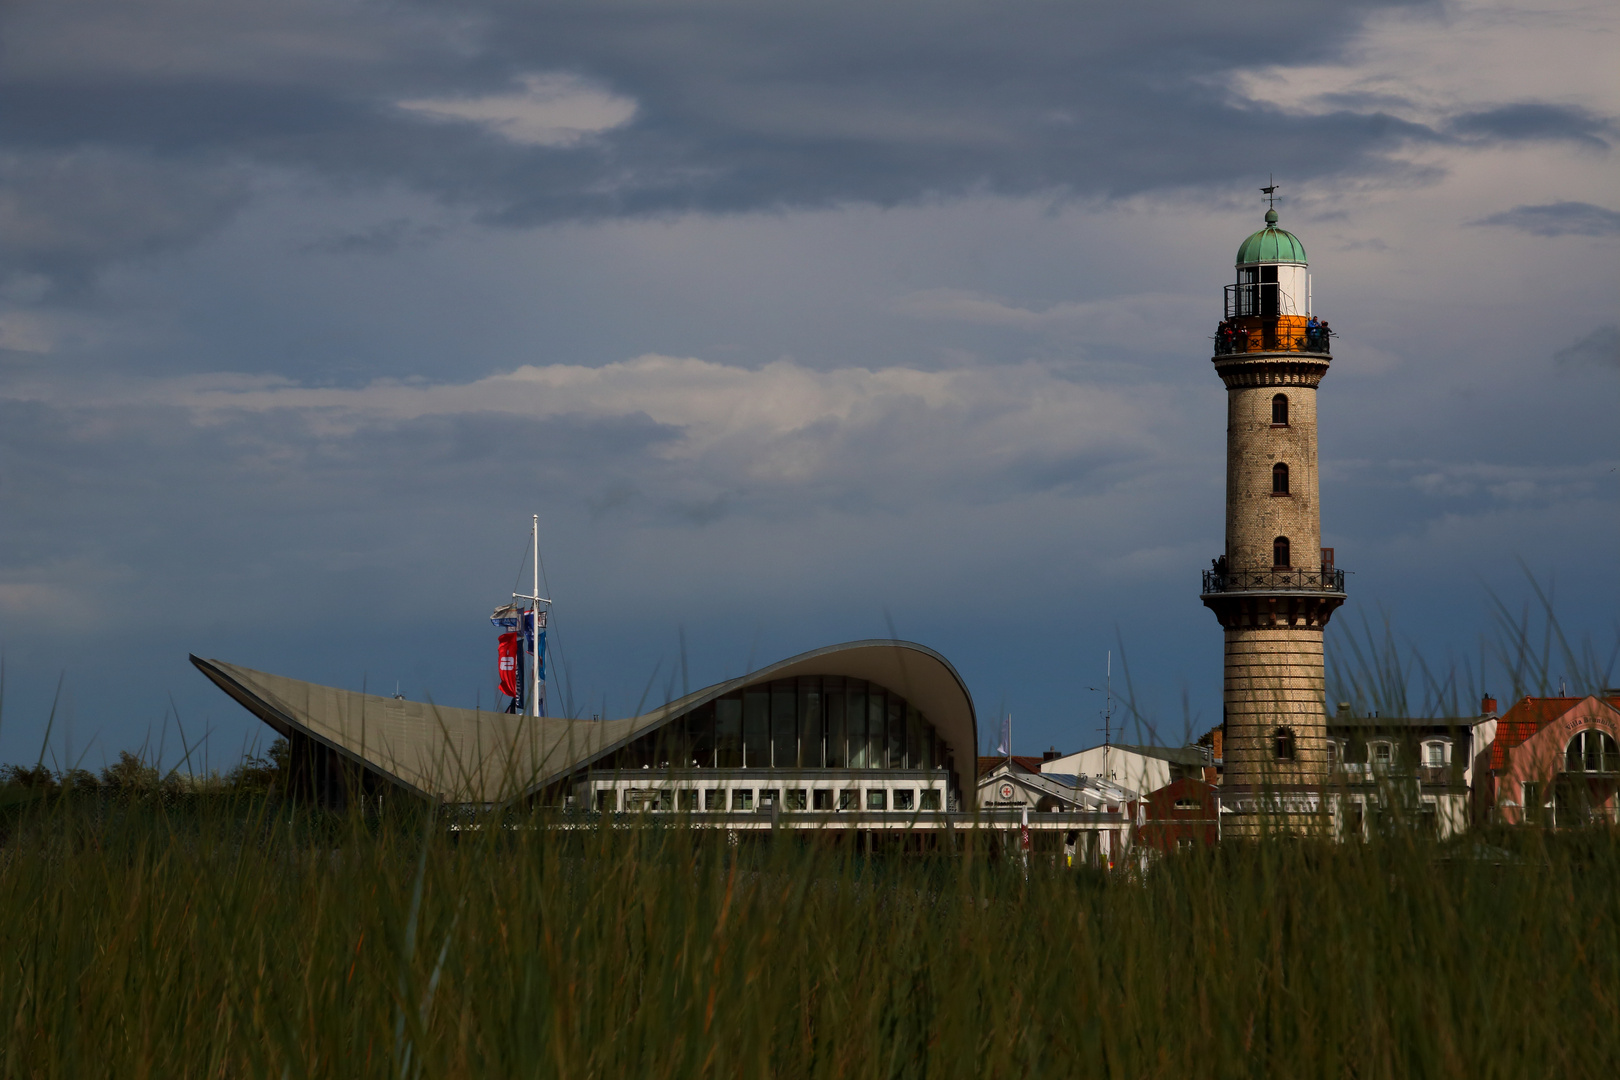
[
  {"x": 1274, "y": 678},
  {"x": 1254, "y": 516}
]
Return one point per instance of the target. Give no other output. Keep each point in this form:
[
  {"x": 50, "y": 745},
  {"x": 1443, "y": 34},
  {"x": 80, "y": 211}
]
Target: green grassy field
[{"x": 243, "y": 938}]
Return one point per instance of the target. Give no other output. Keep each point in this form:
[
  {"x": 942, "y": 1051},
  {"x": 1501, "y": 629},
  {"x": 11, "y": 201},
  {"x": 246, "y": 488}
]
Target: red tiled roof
[{"x": 1528, "y": 716}]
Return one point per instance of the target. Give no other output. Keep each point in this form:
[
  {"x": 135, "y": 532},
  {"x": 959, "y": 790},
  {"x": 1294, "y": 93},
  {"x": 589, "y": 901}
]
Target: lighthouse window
[
  {"x": 1285, "y": 744},
  {"x": 1279, "y": 479},
  {"x": 1279, "y": 410},
  {"x": 1279, "y": 552}
]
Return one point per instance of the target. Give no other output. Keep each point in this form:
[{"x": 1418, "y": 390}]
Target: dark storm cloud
[
  {"x": 64, "y": 214},
  {"x": 738, "y": 105},
  {"x": 1529, "y": 122},
  {"x": 1600, "y": 348},
  {"x": 384, "y": 239},
  {"x": 1558, "y": 219}
]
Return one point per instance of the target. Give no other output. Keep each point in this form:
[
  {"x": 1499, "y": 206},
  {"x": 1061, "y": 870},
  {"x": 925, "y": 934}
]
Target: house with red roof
[{"x": 1551, "y": 761}]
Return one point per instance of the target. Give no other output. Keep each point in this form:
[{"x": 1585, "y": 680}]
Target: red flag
[{"x": 508, "y": 664}]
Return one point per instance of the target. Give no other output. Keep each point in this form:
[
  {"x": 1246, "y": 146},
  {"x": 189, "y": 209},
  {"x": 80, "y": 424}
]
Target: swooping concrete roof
[{"x": 468, "y": 755}]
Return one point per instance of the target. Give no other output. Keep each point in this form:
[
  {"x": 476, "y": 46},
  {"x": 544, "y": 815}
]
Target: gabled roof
[
  {"x": 1020, "y": 761},
  {"x": 1528, "y": 716},
  {"x": 1176, "y": 755}
]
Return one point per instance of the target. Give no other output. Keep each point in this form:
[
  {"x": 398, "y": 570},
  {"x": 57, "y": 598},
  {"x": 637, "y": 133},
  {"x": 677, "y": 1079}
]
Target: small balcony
[
  {"x": 1282, "y": 334},
  {"x": 1271, "y": 579}
]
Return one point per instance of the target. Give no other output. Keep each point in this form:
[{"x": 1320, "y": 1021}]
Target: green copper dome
[{"x": 1271, "y": 244}]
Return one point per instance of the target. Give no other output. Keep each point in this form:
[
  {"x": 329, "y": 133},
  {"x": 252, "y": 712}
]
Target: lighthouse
[{"x": 1274, "y": 586}]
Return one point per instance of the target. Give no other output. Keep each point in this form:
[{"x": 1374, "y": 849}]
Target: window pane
[
  {"x": 757, "y": 727},
  {"x": 742, "y": 799},
  {"x": 897, "y": 732},
  {"x": 728, "y": 735},
  {"x": 812, "y": 736},
  {"x": 855, "y": 711},
  {"x": 930, "y": 799},
  {"x": 784, "y": 724},
  {"x": 832, "y": 691},
  {"x": 876, "y": 722},
  {"x": 700, "y": 735},
  {"x": 877, "y": 799},
  {"x": 849, "y": 799},
  {"x": 714, "y": 799},
  {"x": 915, "y": 743},
  {"x": 822, "y": 799},
  {"x": 903, "y": 799},
  {"x": 795, "y": 799}
]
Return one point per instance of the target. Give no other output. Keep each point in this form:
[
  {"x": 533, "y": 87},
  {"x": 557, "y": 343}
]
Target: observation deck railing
[
  {"x": 1280, "y": 336},
  {"x": 1274, "y": 579}
]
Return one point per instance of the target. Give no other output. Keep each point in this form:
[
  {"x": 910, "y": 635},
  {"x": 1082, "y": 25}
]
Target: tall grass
[{"x": 256, "y": 939}]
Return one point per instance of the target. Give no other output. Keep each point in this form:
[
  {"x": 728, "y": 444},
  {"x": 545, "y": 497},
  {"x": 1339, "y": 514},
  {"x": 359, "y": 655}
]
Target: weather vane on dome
[{"x": 1270, "y": 192}]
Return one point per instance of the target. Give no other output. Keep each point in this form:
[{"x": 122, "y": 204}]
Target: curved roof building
[{"x": 873, "y": 725}]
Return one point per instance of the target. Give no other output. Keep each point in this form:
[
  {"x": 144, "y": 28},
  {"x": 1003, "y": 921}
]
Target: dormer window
[
  {"x": 1434, "y": 755},
  {"x": 1279, "y": 479},
  {"x": 1279, "y": 410}
]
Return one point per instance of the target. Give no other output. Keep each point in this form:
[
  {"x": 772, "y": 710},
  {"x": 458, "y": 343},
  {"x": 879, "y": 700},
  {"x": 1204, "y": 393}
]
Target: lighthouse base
[{"x": 1275, "y": 752}]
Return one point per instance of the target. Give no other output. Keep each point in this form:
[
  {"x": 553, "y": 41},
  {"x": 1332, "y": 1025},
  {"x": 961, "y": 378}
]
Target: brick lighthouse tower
[{"x": 1275, "y": 587}]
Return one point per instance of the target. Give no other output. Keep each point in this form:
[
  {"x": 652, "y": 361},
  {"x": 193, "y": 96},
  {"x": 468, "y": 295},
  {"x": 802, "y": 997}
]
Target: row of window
[
  {"x": 739, "y": 800},
  {"x": 1380, "y": 754},
  {"x": 813, "y": 721}
]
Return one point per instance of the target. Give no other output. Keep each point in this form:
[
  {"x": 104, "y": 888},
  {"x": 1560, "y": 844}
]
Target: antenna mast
[
  {"x": 536, "y": 658},
  {"x": 1108, "y": 713}
]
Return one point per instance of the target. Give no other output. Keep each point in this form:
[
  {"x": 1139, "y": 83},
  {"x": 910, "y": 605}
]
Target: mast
[
  {"x": 536, "y": 622},
  {"x": 1108, "y": 711},
  {"x": 535, "y": 693}
]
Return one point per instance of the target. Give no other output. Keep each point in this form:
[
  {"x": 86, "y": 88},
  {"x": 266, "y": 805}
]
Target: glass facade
[{"x": 810, "y": 722}]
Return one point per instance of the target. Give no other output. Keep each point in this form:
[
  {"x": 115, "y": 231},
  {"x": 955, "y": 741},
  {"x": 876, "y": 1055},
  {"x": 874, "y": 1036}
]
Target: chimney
[
  {"x": 1220, "y": 739},
  {"x": 1050, "y": 755},
  {"x": 1344, "y": 710},
  {"x": 1487, "y": 706}
]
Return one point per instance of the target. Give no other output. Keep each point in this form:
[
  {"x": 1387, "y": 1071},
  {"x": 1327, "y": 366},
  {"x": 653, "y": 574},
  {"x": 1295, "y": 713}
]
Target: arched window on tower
[
  {"x": 1279, "y": 479},
  {"x": 1279, "y": 552},
  {"x": 1284, "y": 738},
  {"x": 1279, "y": 410}
]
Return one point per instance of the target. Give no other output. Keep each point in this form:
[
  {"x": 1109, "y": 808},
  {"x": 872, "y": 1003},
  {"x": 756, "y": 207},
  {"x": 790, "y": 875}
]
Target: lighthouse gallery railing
[{"x": 1274, "y": 579}]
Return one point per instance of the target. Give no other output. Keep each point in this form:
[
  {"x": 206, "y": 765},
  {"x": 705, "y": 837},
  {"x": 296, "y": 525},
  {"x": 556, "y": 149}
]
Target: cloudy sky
[{"x": 795, "y": 322}]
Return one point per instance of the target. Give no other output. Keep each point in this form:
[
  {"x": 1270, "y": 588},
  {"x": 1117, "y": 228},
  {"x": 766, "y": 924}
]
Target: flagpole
[
  {"x": 536, "y": 659},
  {"x": 534, "y": 662}
]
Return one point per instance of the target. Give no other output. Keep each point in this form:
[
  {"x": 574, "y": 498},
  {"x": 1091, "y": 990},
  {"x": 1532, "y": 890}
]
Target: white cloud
[
  {"x": 782, "y": 423},
  {"x": 1421, "y": 65},
  {"x": 549, "y": 110}
]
